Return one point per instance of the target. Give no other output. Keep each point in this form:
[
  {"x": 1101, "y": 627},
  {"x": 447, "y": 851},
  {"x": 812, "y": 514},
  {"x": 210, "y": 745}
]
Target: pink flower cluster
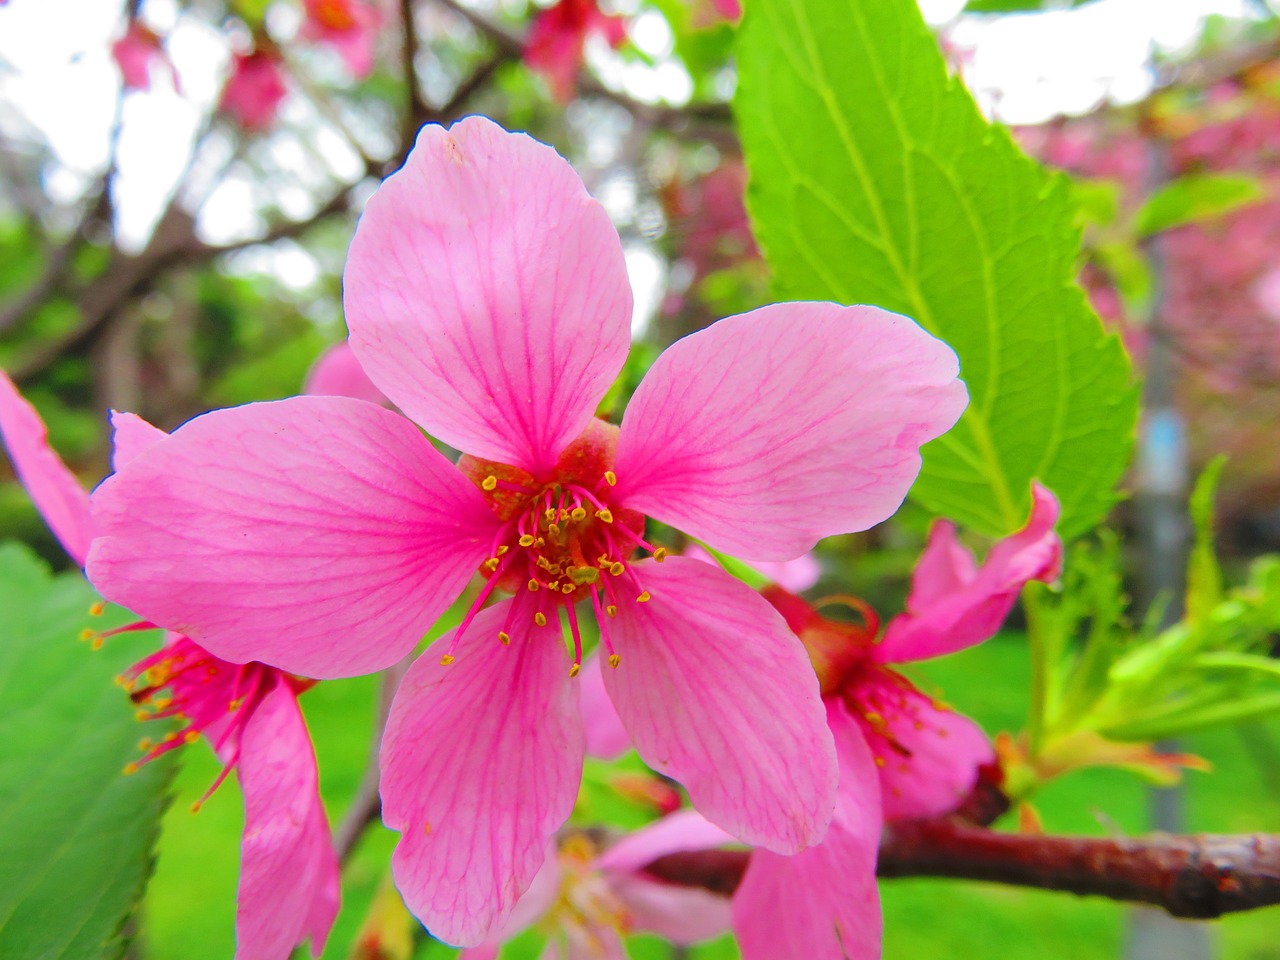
[
  {"x": 248, "y": 712},
  {"x": 487, "y": 299}
]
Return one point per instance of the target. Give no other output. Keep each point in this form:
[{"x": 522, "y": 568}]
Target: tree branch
[
  {"x": 1197, "y": 877},
  {"x": 366, "y": 805}
]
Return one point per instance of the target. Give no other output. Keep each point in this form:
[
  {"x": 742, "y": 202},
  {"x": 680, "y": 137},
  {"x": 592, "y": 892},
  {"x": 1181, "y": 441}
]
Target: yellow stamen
[
  {"x": 446, "y": 660},
  {"x": 97, "y": 609},
  {"x": 879, "y": 761},
  {"x": 504, "y": 637},
  {"x": 553, "y": 529},
  {"x": 533, "y": 586},
  {"x": 426, "y": 828},
  {"x": 86, "y": 634},
  {"x": 605, "y": 515},
  {"x": 611, "y": 478},
  {"x": 578, "y": 514},
  {"x": 614, "y": 660},
  {"x": 660, "y": 554},
  {"x": 503, "y": 549},
  {"x": 491, "y": 564},
  {"x": 550, "y": 514},
  {"x": 526, "y": 541},
  {"x": 616, "y": 568},
  {"x": 540, "y": 619},
  {"x": 96, "y": 644},
  {"x": 141, "y": 715},
  {"x": 144, "y": 744},
  {"x": 611, "y": 610},
  {"x": 573, "y": 671},
  {"x": 644, "y": 597},
  {"x": 553, "y": 585},
  {"x": 190, "y": 736},
  {"x": 130, "y": 768},
  {"x": 490, "y": 482},
  {"x": 568, "y": 588}
]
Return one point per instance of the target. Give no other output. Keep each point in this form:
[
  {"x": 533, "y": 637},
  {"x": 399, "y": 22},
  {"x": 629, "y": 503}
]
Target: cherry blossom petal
[
  {"x": 481, "y": 764},
  {"x": 130, "y": 437},
  {"x": 951, "y": 606},
  {"x": 337, "y": 373},
  {"x": 529, "y": 909},
  {"x": 54, "y": 489},
  {"x": 487, "y": 295},
  {"x": 933, "y": 761},
  {"x": 822, "y": 903},
  {"x": 320, "y": 535},
  {"x": 770, "y": 430},
  {"x": 717, "y": 693},
  {"x": 680, "y": 914},
  {"x": 607, "y": 738},
  {"x": 679, "y": 832},
  {"x": 289, "y": 884}
]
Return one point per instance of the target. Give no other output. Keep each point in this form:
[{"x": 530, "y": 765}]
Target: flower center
[
  {"x": 333, "y": 14},
  {"x": 564, "y": 537},
  {"x": 210, "y": 696}
]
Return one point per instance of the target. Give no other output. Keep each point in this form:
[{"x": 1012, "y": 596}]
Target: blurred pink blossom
[
  {"x": 558, "y": 36},
  {"x": 254, "y": 90}
]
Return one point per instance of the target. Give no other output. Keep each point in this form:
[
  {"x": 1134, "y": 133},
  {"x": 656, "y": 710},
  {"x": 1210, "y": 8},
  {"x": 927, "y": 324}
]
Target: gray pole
[{"x": 1164, "y": 537}]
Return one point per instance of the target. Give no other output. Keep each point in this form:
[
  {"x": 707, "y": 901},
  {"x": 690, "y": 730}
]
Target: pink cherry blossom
[
  {"x": 337, "y": 373},
  {"x": 557, "y": 39},
  {"x": 349, "y": 26},
  {"x": 248, "y": 712},
  {"x": 254, "y": 90},
  {"x": 136, "y": 52},
  {"x": 587, "y": 900},
  {"x": 902, "y": 754},
  {"x": 487, "y": 298}
]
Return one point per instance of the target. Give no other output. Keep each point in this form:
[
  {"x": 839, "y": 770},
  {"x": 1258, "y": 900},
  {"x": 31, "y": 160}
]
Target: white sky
[{"x": 55, "y": 68}]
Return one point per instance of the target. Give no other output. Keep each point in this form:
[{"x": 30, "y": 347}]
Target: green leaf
[
  {"x": 1204, "y": 578},
  {"x": 76, "y": 835},
  {"x": 1196, "y": 197},
  {"x": 1020, "y": 6},
  {"x": 874, "y": 179}
]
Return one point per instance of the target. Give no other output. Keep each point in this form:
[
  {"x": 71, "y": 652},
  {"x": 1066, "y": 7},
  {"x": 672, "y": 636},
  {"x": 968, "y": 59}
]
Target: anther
[
  {"x": 97, "y": 609},
  {"x": 611, "y": 610},
  {"x": 540, "y": 618},
  {"x": 504, "y": 638},
  {"x": 644, "y": 597},
  {"x": 660, "y": 554},
  {"x": 491, "y": 564},
  {"x": 195, "y": 807},
  {"x": 490, "y": 483},
  {"x": 130, "y": 768},
  {"x": 553, "y": 529},
  {"x": 550, "y": 514},
  {"x": 616, "y": 568},
  {"x": 578, "y": 514},
  {"x": 446, "y": 659},
  {"x": 553, "y": 585},
  {"x": 190, "y": 736},
  {"x": 568, "y": 588},
  {"x": 86, "y": 634},
  {"x": 502, "y": 550},
  {"x": 614, "y": 660},
  {"x": 526, "y": 540},
  {"x": 144, "y": 744},
  {"x": 605, "y": 515},
  {"x": 96, "y": 644},
  {"x": 533, "y": 586},
  {"x": 573, "y": 671},
  {"x": 611, "y": 478}
]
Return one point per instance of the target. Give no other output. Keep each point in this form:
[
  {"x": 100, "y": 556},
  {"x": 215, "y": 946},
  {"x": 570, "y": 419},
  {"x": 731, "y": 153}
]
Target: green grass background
[{"x": 190, "y": 906}]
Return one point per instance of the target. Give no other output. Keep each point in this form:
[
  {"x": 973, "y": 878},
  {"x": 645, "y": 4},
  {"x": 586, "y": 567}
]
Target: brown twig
[
  {"x": 667, "y": 118},
  {"x": 1198, "y": 877},
  {"x": 366, "y": 804}
]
